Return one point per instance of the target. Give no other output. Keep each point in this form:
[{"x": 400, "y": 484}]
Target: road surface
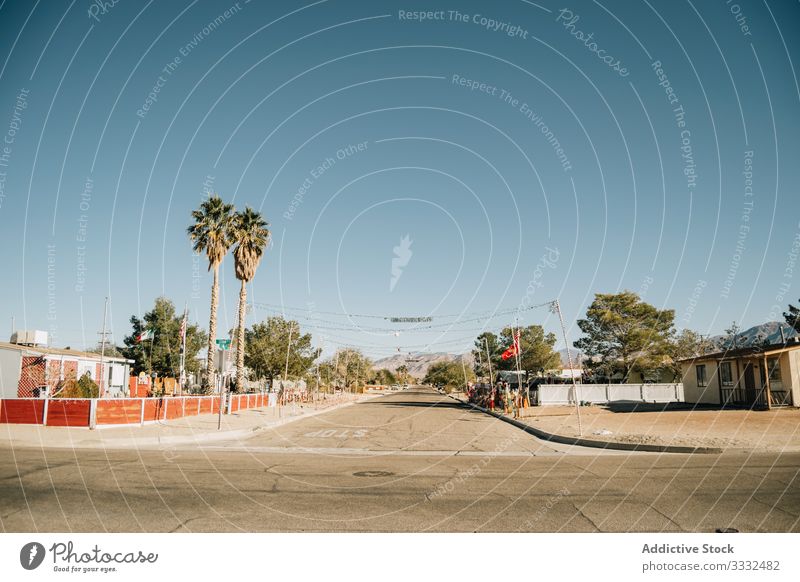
[{"x": 410, "y": 461}]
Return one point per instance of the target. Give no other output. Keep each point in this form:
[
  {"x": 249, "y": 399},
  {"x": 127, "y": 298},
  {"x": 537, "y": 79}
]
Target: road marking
[{"x": 336, "y": 434}]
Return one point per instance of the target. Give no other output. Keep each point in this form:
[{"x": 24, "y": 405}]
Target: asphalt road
[{"x": 410, "y": 461}]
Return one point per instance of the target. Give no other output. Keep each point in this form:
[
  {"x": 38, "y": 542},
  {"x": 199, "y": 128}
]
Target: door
[{"x": 749, "y": 385}]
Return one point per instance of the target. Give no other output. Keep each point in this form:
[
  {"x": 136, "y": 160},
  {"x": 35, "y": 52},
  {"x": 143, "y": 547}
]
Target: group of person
[{"x": 501, "y": 396}]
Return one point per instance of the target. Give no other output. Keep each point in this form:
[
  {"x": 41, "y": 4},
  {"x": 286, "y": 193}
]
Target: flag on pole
[
  {"x": 183, "y": 326},
  {"x": 145, "y": 335},
  {"x": 513, "y": 350}
]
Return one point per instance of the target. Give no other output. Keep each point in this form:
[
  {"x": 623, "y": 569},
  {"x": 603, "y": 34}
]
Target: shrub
[{"x": 67, "y": 389}]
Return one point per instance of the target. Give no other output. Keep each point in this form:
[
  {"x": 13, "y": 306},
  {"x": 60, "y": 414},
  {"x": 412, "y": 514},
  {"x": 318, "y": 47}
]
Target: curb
[
  {"x": 597, "y": 444},
  {"x": 194, "y": 439}
]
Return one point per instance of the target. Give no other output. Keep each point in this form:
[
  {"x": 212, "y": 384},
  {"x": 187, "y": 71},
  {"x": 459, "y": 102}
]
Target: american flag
[{"x": 183, "y": 326}]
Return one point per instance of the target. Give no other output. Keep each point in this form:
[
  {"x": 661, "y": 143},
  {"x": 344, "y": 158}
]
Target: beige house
[{"x": 754, "y": 377}]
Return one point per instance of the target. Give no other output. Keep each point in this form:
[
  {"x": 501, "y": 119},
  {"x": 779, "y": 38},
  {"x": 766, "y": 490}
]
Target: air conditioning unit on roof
[{"x": 29, "y": 337}]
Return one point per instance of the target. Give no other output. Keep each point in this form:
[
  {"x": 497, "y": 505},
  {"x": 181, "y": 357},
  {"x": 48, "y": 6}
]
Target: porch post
[
  {"x": 719, "y": 382},
  {"x": 766, "y": 381}
]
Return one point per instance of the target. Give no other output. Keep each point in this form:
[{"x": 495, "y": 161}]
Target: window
[
  {"x": 725, "y": 374},
  {"x": 774, "y": 368},
  {"x": 701, "y": 375}
]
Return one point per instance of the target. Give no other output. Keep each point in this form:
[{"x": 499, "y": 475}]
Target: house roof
[
  {"x": 748, "y": 352},
  {"x": 58, "y": 352}
]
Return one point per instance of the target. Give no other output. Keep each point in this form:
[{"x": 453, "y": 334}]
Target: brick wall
[
  {"x": 53, "y": 374},
  {"x": 98, "y": 374},
  {"x": 70, "y": 370}
]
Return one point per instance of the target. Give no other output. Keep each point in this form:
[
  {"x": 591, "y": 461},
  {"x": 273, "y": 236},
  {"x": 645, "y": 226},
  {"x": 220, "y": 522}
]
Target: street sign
[{"x": 223, "y": 343}]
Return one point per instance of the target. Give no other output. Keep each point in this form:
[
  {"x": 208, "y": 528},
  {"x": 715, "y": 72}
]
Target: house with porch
[{"x": 757, "y": 377}]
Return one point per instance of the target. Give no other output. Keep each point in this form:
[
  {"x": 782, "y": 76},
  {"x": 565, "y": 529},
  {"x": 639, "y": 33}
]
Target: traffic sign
[{"x": 223, "y": 343}]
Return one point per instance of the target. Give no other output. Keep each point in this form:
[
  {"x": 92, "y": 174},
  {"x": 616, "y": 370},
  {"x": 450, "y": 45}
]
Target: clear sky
[{"x": 526, "y": 150}]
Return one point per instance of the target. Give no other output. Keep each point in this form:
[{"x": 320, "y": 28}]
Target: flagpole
[
  {"x": 102, "y": 377},
  {"x": 150, "y": 365},
  {"x": 518, "y": 341},
  {"x": 184, "y": 323},
  {"x": 152, "y": 340}
]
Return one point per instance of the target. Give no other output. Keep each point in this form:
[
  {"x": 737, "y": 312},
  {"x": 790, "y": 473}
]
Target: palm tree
[
  {"x": 211, "y": 233},
  {"x": 252, "y": 236}
]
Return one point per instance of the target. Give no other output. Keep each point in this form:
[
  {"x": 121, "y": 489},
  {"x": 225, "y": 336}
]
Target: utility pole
[
  {"x": 489, "y": 360},
  {"x": 557, "y": 308},
  {"x": 288, "y": 346},
  {"x": 103, "y": 349},
  {"x": 464, "y": 368}
]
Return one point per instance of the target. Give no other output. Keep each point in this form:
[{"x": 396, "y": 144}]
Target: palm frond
[{"x": 252, "y": 236}]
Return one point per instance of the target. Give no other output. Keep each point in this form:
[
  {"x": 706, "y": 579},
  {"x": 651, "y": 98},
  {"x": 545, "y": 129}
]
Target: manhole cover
[{"x": 373, "y": 474}]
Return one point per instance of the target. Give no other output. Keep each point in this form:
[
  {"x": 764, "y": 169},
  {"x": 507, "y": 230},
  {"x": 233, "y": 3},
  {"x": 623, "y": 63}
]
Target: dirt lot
[{"x": 773, "y": 430}]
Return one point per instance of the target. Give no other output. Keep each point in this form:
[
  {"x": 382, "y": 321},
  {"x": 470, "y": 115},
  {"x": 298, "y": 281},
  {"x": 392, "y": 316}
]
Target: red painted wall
[
  {"x": 119, "y": 411},
  {"x": 75, "y": 412},
  {"x": 68, "y": 412},
  {"x": 29, "y": 411}
]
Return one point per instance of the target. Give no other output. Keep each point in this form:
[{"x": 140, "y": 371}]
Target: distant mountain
[
  {"x": 418, "y": 364},
  {"x": 770, "y": 331}
]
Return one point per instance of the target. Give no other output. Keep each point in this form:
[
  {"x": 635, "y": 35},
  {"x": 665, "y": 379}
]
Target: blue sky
[{"x": 527, "y": 150}]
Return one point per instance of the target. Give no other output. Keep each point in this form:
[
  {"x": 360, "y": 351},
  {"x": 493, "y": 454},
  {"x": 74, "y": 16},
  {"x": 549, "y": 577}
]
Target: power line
[{"x": 315, "y": 322}]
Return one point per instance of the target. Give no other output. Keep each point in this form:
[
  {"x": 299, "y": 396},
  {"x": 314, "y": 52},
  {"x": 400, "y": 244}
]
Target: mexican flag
[
  {"x": 513, "y": 350},
  {"x": 145, "y": 335}
]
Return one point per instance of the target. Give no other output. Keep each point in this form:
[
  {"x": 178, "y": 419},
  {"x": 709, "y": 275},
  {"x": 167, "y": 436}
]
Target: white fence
[{"x": 552, "y": 394}]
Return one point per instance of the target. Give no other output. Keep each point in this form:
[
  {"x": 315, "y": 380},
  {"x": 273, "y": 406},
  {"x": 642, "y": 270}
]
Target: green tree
[
  {"x": 487, "y": 341},
  {"x": 251, "y": 235},
  {"x": 348, "y": 368},
  {"x": 624, "y": 333},
  {"x": 211, "y": 234},
  {"x": 327, "y": 373},
  {"x": 384, "y": 377},
  {"x": 402, "y": 374},
  {"x": 536, "y": 350},
  {"x": 162, "y": 354},
  {"x": 732, "y": 339},
  {"x": 84, "y": 387},
  {"x": 266, "y": 346},
  {"x": 792, "y": 317},
  {"x": 87, "y": 387},
  {"x": 683, "y": 346},
  {"x": 449, "y": 374}
]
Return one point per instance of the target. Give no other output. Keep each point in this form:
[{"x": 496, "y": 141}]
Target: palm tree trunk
[
  {"x": 212, "y": 329},
  {"x": 240, "y": 338}
]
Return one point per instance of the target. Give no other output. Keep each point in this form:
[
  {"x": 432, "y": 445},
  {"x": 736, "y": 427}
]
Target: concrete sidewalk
[{"x": 238, "y": 426}]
